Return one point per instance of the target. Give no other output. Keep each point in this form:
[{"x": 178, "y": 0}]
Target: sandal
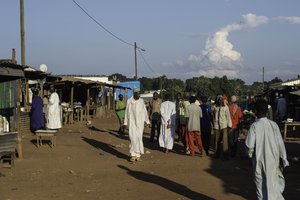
[
  {"x": 133, "y": 159},
  {"x": 138, "y": 159}
]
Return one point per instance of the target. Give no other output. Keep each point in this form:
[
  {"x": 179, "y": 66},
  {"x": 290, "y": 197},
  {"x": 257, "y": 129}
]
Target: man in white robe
[
  {"x": 135, "y": 117},
  {"x": 267, "y": 150},
  {"x": 168, "y": 118},
  {"x": 54, "y": 111}
]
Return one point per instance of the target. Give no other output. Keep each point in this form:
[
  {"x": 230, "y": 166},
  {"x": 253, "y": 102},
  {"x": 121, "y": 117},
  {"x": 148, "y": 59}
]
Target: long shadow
[
  {"x": 177, "y": 148},
  {"x": 105, "y": 147},
  {"x": 292, "y": 173},
  {"x": 109, "y": 131},
  {"x": 237, "y": 174},
  {"x": 167, "y": 184},
  {"x": 93, "y": 128}
]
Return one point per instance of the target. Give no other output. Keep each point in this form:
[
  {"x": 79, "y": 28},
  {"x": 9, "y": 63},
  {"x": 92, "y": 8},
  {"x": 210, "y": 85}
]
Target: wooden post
[
  {"x": 88, "y": 103},
  {"x": 26, "y": 102},
  {"x": 19, "y": 142},
  {"x": 22, "y": 29},
  {"x": 72, "y": 103},
  {"x": 125, "y": 95}
]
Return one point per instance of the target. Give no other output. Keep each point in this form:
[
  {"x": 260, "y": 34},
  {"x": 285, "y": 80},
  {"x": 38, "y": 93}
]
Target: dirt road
[{"x": 92, "y": 163}]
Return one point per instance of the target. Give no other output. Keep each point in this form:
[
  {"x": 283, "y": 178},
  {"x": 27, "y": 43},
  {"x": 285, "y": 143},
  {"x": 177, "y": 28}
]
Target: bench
[
  {"x": 40, "y": 134},
  {"x": 8, "y": 143}
]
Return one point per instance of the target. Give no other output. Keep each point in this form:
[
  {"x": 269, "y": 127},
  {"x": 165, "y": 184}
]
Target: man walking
[
  {"x": 135, "y": 116},
  {"x": 235, "y": 114},
  {"x": 120, "y": 110},
  {"x": 267, "y": 150},
  {"x": 155, "y": 116},
  {"x": 205, "y": 124},
  {"x": 168, "y": 118},
  {"x": 193, "y": 114},
  {"x": 222, "y": 122}
]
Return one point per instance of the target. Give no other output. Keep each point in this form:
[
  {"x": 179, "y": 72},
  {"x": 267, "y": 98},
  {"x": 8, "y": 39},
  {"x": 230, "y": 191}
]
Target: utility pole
[
  {"x": 19, "y": 140},
  {"x": 135, "y": 59},
  {"x": 263, "y": 78},
  {"x": 22, "y": 32}
]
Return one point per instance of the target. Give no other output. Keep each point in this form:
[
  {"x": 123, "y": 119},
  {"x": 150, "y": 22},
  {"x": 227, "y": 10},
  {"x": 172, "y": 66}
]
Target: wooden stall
[
  {"x": 10, "y": 87},
  {"x": 82, "y": 99}
]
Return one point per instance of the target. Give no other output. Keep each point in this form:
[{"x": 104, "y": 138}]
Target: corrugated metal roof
[
  {"x": 10, "y": 71},
  {"x": 88, "y": 82}
]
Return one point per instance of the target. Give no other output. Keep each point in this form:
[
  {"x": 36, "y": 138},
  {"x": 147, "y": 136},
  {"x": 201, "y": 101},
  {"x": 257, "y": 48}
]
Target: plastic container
[
  {"x": 1, "y": 125},
  {"x": 5, "y": 125}
]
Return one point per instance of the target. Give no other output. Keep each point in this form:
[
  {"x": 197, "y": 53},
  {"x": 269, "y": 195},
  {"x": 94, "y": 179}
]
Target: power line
[
  {"x": 118, "y": 38},
  {"x": 103, "y": 27},
  {"x": 151, "y": 69}
]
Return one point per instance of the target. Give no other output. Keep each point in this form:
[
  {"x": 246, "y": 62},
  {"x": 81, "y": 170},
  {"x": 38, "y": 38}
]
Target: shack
[
  {"x": 83, "y": 98},
  {"x": 10, "y": 87}
]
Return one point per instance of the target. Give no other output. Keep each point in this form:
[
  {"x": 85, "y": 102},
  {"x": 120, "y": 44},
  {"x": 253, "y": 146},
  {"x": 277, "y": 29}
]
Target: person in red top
[{"x": 235, "y": 114}]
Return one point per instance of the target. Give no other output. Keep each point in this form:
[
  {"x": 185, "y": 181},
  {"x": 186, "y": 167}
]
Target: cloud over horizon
[{"x": 219, "y": 57}]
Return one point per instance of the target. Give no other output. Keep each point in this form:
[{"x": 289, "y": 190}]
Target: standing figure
[
  {"x": 182, "y": 104},
  {"x": 168, "y": 120},
  {"x": 135, "y": 116},
  {"x": 178, "y": 105},
  {"x": 267, "y": 150},
  {"x": 236, "y": 115},
  {"x": 205, "y": 123},
  {"x": 193, "y": 114},
  {"x": 54, "y": 111},
  {"x": 120, "y": 110},
  {"x": 155, "y": 116},
  {"x": 37, "y": 117},
  {"x": 222, "y": 122},
  {"x": 281, "y": 108}
]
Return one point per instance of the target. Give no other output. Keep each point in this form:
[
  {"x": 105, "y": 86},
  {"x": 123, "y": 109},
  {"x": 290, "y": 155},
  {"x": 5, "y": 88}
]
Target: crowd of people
[{"x": 195, "y": 121}]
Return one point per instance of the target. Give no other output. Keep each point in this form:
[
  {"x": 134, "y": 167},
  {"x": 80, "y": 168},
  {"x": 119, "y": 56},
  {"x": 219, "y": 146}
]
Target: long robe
[
  {"x": 266, "y": 147},
  {"x": 37, "y": 118},
  {"x": 135, "y": 116},
  {"x": 168, "y": 116},
  {"x": 54, "y": 112}
]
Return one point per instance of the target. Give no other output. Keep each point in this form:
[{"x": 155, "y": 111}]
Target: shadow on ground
[
  {"x": 165, "y": 183},
  {"x": 105, "y": 147},
  {"x": 237, "y": 175}
]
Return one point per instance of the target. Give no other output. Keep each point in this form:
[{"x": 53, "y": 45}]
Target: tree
[{"x": 120, "y": 77}]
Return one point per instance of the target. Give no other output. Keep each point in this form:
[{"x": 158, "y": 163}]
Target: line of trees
[{"x": 201, "y": 85}]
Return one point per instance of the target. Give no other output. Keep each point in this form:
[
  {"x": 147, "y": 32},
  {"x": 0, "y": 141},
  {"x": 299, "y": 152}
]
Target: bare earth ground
[{"x": 92, "y": 163}]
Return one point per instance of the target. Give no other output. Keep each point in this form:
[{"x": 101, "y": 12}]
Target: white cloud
[
  {"x": 219, "y": 57},
  {"x": 290, "y": 20}
]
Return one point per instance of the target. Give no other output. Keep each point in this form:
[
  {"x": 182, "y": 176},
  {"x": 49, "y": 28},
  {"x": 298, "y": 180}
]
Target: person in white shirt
[
  {"x": 266, "y": 148},
  {"x": 222, "y": 121},
  {"x": 168, "y": 118},
  {"x": 135, "y": 116},
  {"x": 54, "y": 111}
]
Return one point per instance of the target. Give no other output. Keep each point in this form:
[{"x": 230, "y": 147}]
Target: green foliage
[
  {"x": 201, "y": 85},
  {"x": 120, "y": 77}
]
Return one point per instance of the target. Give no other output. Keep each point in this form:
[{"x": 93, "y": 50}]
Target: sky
[{"x": 181, "y": 38}]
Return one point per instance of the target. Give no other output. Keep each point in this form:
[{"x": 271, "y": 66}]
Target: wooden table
[
  {"x": 286, "y": 125},
  {"x": 67, "y": 113},
  {"x": 8, "y": 145},
  {"x": 78, "y": 114},
  {"x": 40, "y": 134}
]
